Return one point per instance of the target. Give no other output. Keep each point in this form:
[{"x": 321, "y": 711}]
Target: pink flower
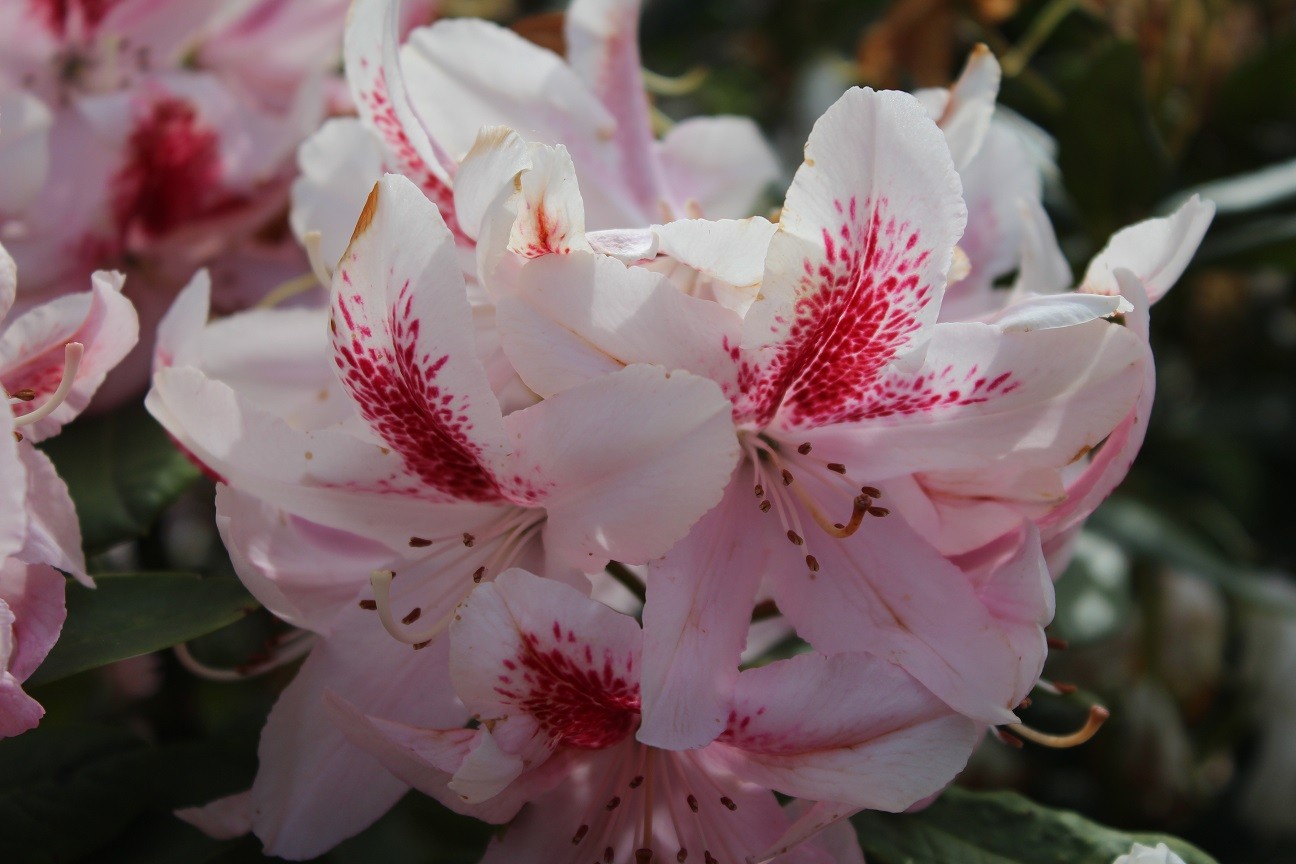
[
  {"x": 51, "y": 360},
  {"x": 426, "y": 476},
  {"x": 553, "y": 679}
]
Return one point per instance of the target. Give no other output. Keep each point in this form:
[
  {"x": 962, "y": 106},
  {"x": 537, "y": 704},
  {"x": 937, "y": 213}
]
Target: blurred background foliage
[{"x": 1180, "y": 609}]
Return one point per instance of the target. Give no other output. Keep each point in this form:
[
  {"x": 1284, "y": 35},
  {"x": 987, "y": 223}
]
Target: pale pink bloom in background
[
  {"x": 425, "y": 475},
  {"x": 52, "y": 358},
  {"x": 553, "y": 678},
  {"x": 1140, "y": 854}
]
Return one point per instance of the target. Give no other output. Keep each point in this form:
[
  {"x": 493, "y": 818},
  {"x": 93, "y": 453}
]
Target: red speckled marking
[
  {"x": 544, "y": 233},
  {"x": 895, "y": 394},
  {"x": 57, "y": 14},
  {"x": 580, "y": 699},
  {"x": 172, "y": 173},
  {"x": 409, "y": 162},
  {"x": 857, "y": 304},
  {"x": 397, "y": 391}
]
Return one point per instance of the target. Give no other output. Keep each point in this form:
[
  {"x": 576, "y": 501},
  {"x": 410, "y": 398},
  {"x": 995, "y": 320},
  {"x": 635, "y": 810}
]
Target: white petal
[
  {"x": 1156, "y": 251},
  {"x": 721, "y": 165}
]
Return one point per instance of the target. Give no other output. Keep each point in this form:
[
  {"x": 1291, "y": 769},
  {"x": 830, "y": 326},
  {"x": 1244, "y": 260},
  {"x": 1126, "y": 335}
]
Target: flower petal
[
  {"x": 222, "y": 819},
  {"x": 24, "y": 155},
  {"x": 1156, "y": 251},
  {"x": 404, "y": 345},
  {"x": 53, "y": 533},
  {"x": 32, "y": 348},
  {"x": 34, "y": 594},
  {"x": 720, "y": 166},
  {"x": 304, "y": 797},
  {"x": 13, "y": 490},
  {"x": 700, "y": 598},
  {"x": 963, "y": 112},
  {"x": 851, "y": 728},
  {"x": 339, "y": 165},
  {"x": 570, "y": 319},
  {"x": 732, "y": 251},
  {"x": 624, "y": 464},
  {"x": 855, "y": 273}
]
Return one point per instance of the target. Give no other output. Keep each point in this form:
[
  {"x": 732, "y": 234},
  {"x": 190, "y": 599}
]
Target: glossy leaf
[
  {"x": 122, "y": 471},
  {"x": 134, "y": 613},
  {"x": 966, "y": 827}
]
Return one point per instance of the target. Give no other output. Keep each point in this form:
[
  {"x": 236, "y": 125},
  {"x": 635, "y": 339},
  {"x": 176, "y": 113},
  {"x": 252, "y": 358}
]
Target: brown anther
[
  {"x": 26, "y": 394},
  {"x": 765, "y": 506},
  {"x": 760, "y": 491},
  {"x": 708, "y": 858},
  {"x": 682, "y": 856},
  {"x": 813, "y": 563},
  {"x": 636, "y": 781},
  {"x": 412, "y": 615},
  {"x": 608, "y": 854},
  {"x": 643, "y": 856},
  {"x": 419, "y": 542},
  {"x": 18, "y": 436},
  {"x": 580, "y": 834},
  {"x": 692, "y": 802},
  {"x": 837, "y": 467},
  {"x": 1024, "y": 704},
  {"x": 728, "y": 803},
  {"x": 1057, "y": 644},
  {"x": 468, "y": 539},
  {"x": 419, "y": 646},
  {"x": 1065, "y": 689},
  {"x": 804, "y": 449},
  {"x": 839, "y": 526},
  {"x": 787, "y": 477},
  {"x": 479, "y": 573},
  {"x": 368, "y": 604},
  {"x": 878, "y": 511},
  {"x": 795, "y": 538},
  {"x": 615, "y": 800},
  {"x": 871, "y": 491}
]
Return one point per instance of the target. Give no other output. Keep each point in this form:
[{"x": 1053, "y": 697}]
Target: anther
[
  {"x": 692, "y": 802},
  {"x": 412, "y": 615},
  {"x": 608, "y": 854},
  {"x": 1008, "y": 738},
  {"x": 795, "y": 538},
  {"x": 765, "y": 506},
  {"x": 787, "y": 477},
  {"x": 837, "y": 467},
  {"x": 709, "y": 858},
  {"x": 878, "y": 511},
  {"x": 1024, "y": 704},
  {"x": 804, "y": 449},
  {"x": 813, "y": 563},
  {"x": 24, "y": 395},
  {"x": 637, "y": 781},
  {"x": 479, "y": 573},
  {"x": 612, "y": 804},
  {"x": 728, "y": 803},
  {"x": 419, "y": 542},
  {"x": 468, "y": 539},
  {"x": 682, "y": 855},
  {"x": 419, "y": 646},
  {"x": 1097, "y": 717},
  {"x": 368, "y": 604},
  {"x": 760, "y": 491},
  {"x": 871, "y": 491},
  {"x": 643, "y": 856},
  {"x": 1057, "y": 644},
  {"x": 580, "y": 834}
]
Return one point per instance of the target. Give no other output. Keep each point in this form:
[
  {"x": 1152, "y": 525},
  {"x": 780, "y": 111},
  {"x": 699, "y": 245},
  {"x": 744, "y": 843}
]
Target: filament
[
  {"x": 1097, "y": 717},
  {"x": 72, "y": 353}
]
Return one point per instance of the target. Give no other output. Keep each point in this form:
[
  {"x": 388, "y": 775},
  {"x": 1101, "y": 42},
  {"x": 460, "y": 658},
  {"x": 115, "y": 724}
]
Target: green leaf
[
  {"x": 134, "y": 613},
  {"x": 999, "y": 828},
  {"x": 1110, "y": 154},
  {"x": 122, "y": 472}
]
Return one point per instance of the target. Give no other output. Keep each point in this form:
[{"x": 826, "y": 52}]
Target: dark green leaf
[
  {"x": 134, "y": 613},
  {"x": 998, "y": 828},
  {"x": 122, "y": 471},
  {"x": 1109, "y": 151}
]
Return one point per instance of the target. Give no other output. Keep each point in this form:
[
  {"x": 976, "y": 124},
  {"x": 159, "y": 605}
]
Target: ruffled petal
[
  {"x": 1155, "y": 251},
  {"x": 719, "y": 166}
]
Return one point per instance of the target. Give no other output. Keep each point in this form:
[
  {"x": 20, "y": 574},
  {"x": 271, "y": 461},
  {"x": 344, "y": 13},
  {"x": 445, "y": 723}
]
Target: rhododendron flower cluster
[{"x": 560, "y": 359}]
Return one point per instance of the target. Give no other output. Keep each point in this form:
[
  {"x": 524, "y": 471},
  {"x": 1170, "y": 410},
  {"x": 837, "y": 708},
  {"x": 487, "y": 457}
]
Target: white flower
[{"x": 1140, "y": 854}]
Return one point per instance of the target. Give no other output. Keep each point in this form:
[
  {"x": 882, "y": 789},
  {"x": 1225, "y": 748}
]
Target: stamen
[
  {"x": 297, "y": 645},
  {"x": 813, "y": 563},
  {"x": 728, "y": 803},
  {"x": 580, "y": 835},
  {"x": 787, "y": 477},
  {"x": 795, "y": 538},
  {"x": 368, "y": 604},
  {"x": 804, "y": 449},
  {"x": 836, "y": 467},
  {"x": 1097, "y": 717},
  {"x": 419, "y": 542},
  {"x": 72, "y": 353},
  {"x": 24, "y": 395},
  {"x": 381, "y": 581}
]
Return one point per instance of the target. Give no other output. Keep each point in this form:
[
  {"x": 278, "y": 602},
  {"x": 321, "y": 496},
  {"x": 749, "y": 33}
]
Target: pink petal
[
  {"x": 851, "y": 728},
  {"x": 547, "y": 665},
  {"x": 339, "y": 165},
  {"x": 32, "y": 348},
  {"x": 700, "y": 598},
  {"x": 623, "y": 464},
  {"x": 24, "y": 156},
  {"x": 403, "y": 337},
  {"x": 34, "y": 595},
  {"x": 721, "y": 165},
  {"x": 53, "y": 533},
  {"x": 304, "y": 798},
  {"x": 855, "y": 273},
  {"x": 13, "y": 490},
  {"x": 222, "y": 819},
  {"x": 571, "y": 319},
  {"x": 1156, "y": 251},
  {"x": 603, "y": 48}
]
